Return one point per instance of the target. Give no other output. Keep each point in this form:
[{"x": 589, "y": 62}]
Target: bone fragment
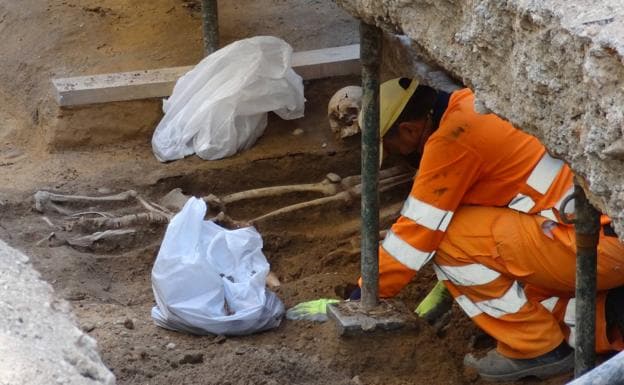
[
  {"x": 83, "y": 213},
  {"x": 346, "y": 196},
  {"x": 272, "y": 281},
  {"x": 88, "y": 240},
  {"x": 123, "y": 221},
  {"x": 331, "y": 185},
  {"x": 46, "y": 199},
  {"x": 45, "y": 239},
  {"x": 154, "y": 208},
  {"x": 48, "y": 222},
  {"x": 326, "y": 187},
  {"x": 334, "y": 178}
]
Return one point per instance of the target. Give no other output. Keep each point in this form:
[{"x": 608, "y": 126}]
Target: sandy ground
[{"x": 109, "y": 284}]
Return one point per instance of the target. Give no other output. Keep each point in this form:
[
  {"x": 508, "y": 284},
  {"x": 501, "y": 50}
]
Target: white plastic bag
[
  {"x": 220, "y": 107},
  {"x": 207, "y": 279}
]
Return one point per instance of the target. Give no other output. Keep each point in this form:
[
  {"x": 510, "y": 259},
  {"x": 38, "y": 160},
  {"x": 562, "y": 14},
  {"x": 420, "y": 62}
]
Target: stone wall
[
  {"x": 40, "y": 342},
  {"x": 553, "y": 68}
]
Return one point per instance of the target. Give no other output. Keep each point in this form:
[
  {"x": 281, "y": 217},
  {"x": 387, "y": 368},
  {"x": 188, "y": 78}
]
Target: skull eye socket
[{"x": 352, "y": 111}]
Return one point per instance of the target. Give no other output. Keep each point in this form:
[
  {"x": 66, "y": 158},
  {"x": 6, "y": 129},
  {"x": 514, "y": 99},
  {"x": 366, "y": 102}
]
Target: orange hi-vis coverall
[{"x": 485, "y": 202}]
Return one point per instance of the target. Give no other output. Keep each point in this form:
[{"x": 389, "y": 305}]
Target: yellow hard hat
[{"x": 393, "y": 97}]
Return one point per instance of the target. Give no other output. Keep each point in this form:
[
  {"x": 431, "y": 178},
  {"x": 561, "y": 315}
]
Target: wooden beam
[
  {"x": 158, "y": 83},
  {"x": 327, "y": 62}
]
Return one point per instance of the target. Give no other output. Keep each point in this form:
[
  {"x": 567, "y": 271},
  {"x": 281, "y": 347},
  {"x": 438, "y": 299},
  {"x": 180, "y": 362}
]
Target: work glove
[
  {"x": 435, "y": 304},
  {"x": 311, "y": 310}
]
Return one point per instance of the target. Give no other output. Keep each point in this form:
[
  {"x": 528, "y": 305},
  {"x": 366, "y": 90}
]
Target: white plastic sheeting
[{"x": 220, "y": 107}]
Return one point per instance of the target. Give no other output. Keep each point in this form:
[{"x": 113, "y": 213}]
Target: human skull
[{"x": 343, "y": 110}]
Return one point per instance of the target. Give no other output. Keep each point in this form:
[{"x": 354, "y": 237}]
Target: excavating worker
[{"x": 485, "y": 207}]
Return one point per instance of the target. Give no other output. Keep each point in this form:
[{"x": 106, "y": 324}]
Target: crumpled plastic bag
[
  {"x": 207, "y": 279},
  {"x": 220, "y": 107}
]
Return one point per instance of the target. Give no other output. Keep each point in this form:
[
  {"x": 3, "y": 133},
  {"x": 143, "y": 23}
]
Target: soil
[{"x": 312, "y": 253}]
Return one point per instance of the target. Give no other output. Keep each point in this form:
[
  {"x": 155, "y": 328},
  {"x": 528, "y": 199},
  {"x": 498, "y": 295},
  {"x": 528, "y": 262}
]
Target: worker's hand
[
  {"x": 310, "y": 311},
  {"x": 435, "y": 304}
]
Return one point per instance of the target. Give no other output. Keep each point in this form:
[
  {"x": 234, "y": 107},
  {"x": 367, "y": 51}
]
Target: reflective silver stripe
[
  {"x": 426, "y": 215},
  {"x": 470, "y": 275},
  {"x": 439, "y": 273},
  {"x": 522, "y": 203},
  {"x": 468, "y": 306},
  {"x": 544, "y": 173},
  {"x": 550, "y": 303},
  {"x": 570, "y": 319},
  {"x": 550, "y": 214},
  {"x": 572, "y": 337},
  {"x": 405, "y": 253},
  {"x": 542, "y": 177},
  {"x": 509, "y": 303}
]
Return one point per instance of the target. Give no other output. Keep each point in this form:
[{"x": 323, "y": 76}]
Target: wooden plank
[
  {"x": 327, "y": 62},
  {"x": 158, "y": 83}
]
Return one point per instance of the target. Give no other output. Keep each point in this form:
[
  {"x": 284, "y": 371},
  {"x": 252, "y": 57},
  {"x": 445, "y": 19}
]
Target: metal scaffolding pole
[
  {"x": 210, "y": 22},
  {"x": 587, "y": 224},
  {"x": 370, "y": 57}
]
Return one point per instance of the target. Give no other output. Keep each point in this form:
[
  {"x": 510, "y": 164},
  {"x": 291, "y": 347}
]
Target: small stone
[
  {"x": 240, "y": 351},
  {"x": 324, "y": 145},
  {"x": 297, "y": 132},
  {"x": 88, "y": 327},
  {"x": 104, "y": 190},
  {"x": 128, "y": 324},
  {"x": 356, "y": 381},
  {"x": 192, "y": 358},
  {"x": 219, "y": 340},
  {"x": 170, "y": 346}
]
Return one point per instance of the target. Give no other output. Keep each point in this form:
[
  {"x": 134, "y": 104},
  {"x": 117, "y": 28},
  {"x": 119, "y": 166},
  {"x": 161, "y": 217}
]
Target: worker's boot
[{"x": 496, "y": 367}]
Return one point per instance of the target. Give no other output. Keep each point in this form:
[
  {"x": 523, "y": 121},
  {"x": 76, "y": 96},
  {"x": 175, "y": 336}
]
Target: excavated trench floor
[{"x": 109, "y": 284}]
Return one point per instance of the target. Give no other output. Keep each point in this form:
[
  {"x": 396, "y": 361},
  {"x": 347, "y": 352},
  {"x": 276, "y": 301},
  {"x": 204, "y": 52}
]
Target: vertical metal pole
[
  {"x": 587, "y": 224},
  {"x": 210, "y": 21},
  {"x": 370, "y": 57}
]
